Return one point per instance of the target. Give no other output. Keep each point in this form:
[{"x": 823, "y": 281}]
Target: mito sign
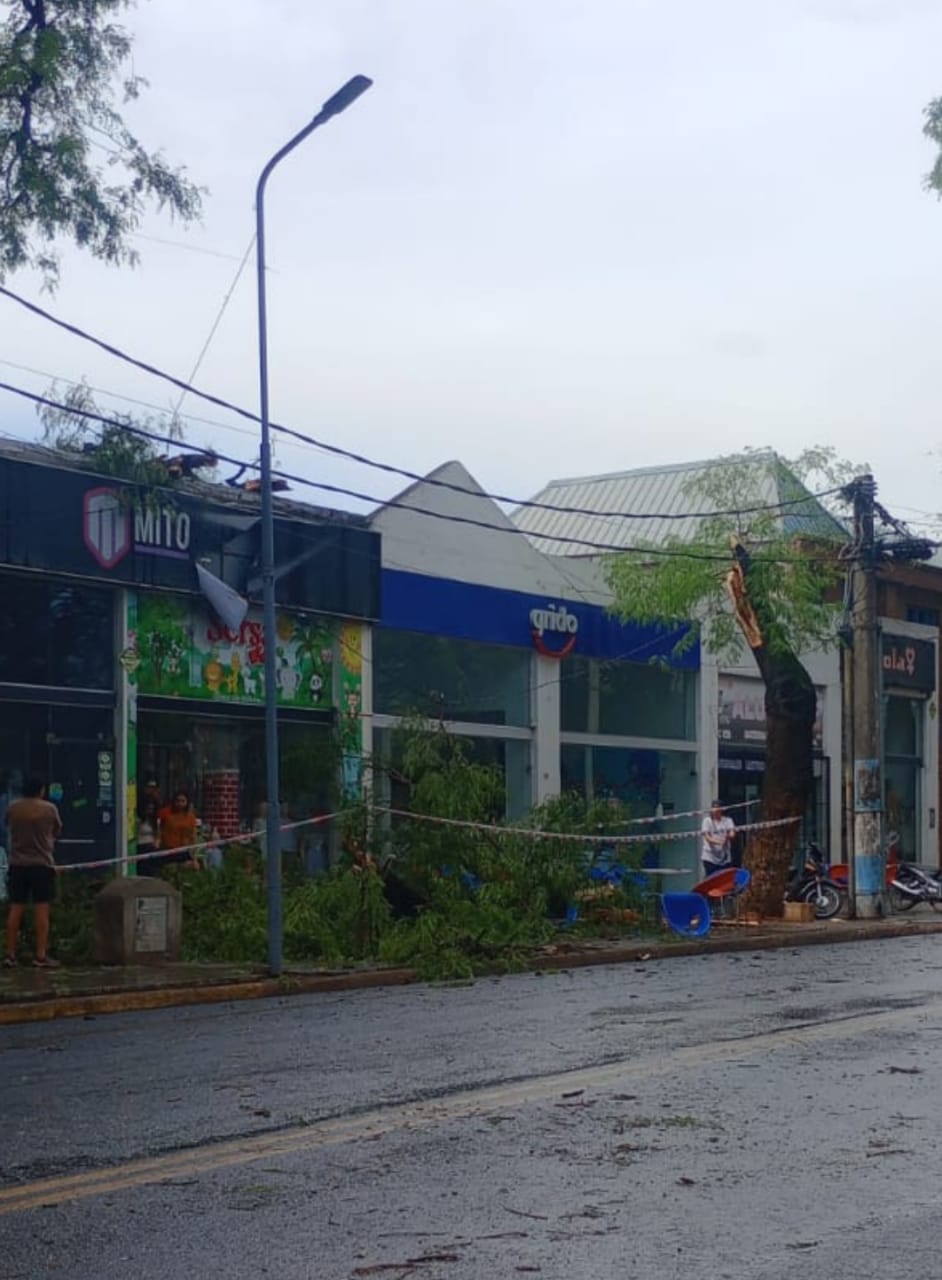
[
  {"x": 554, "y": 630},
  {"x": 112, "y": 527}
]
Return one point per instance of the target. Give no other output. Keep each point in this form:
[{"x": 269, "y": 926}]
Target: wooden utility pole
[
  {"x": 847, "y": 761},
  {"x": 869, "y": 855}
]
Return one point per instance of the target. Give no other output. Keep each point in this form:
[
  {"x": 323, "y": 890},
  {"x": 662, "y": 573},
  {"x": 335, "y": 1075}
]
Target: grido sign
[
  {"x": 112, "y": 526},
  {"x": 554, "y": 630}
]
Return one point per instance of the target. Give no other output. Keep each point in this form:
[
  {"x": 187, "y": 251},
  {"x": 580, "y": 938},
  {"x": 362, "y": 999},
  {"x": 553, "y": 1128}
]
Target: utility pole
[
  {"x": 847, "y": 758},
  {"x": 869, "y": 855}
]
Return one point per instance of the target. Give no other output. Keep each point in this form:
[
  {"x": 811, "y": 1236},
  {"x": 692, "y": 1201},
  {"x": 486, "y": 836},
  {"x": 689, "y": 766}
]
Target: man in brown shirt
[{"x": 33, "y": 825}]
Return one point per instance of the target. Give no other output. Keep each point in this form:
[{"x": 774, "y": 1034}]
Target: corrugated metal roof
[{"x": 655, "y": 504}]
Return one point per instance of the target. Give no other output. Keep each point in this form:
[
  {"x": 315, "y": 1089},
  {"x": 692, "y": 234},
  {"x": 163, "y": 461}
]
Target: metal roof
[{"x": 643, "y": 495}]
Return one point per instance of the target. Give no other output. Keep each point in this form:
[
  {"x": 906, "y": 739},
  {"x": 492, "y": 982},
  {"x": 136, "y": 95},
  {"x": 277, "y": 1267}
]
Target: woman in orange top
[{"x": 179, "y": 828}]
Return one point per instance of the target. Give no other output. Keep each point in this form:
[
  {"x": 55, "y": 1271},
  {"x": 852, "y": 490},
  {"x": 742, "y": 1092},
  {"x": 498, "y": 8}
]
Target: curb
[
  {"x": 735, "y": 943},
  {"x": 48, "y": 1008}
]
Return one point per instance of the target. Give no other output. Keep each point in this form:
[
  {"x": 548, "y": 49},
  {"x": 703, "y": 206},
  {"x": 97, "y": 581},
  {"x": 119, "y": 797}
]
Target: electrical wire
[
  {"x": 216, "y": 323},
  {"x": 449, "y": 518},
  {"x": 391, "y": 469},
  {"x": 53, "y": 378}
]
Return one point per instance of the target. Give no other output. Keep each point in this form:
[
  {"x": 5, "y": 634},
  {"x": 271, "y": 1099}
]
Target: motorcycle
[
  {"x": 810, "y": 882},
  {"x": 911, "y": 885}
]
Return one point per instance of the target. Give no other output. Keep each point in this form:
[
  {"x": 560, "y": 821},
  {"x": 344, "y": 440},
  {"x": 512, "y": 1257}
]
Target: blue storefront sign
[{"x": 554, "y": 627}]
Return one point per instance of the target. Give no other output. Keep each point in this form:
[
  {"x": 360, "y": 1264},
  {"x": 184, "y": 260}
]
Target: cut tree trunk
[{"x": 789, "y": 776}]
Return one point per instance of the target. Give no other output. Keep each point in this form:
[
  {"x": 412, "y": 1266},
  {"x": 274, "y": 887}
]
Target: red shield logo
[{"x": 106, "y": 526}]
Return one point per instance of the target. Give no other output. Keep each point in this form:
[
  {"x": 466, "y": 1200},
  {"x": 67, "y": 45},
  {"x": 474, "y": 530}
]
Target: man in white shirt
[{"x": 717, "y": 844}]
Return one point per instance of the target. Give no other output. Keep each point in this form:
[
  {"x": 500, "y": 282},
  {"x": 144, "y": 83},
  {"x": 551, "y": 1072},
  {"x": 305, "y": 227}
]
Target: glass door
[
  {"x": 72, "y": 749},
  {"x": 902, "y": 773}
]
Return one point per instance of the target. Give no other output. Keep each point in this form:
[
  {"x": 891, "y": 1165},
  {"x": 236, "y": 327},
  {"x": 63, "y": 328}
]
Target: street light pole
[{"x": 332, "y": 107}]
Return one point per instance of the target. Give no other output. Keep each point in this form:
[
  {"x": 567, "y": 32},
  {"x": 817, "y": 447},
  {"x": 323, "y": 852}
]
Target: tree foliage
[
  {"x": 764, "y": 570},
  {"x": 116, "y": 446},
  {"x": 70, "y": 167},
  {"x": 793, "y": 568},
  {"x": 932, "y": 128}
]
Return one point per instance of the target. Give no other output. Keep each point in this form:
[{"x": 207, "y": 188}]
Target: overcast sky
[{"x": 557, "y": 237}]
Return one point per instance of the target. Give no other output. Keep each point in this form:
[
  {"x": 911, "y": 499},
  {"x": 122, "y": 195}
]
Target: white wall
[{"x": 498, "y": 557}]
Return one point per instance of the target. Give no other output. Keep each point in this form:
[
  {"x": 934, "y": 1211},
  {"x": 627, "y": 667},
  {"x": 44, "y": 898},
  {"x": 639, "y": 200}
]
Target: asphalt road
[{"x": 742, "y": 1117}]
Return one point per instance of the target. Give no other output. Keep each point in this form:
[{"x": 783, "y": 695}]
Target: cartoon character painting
[{"x": 232, "y": 679}]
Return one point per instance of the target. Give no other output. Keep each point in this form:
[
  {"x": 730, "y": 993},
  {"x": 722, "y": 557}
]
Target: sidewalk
[{"x": 35, "y": 995}]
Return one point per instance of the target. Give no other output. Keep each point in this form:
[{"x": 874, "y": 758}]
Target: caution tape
[
  {"x": 687, "y": 813},
  {"x": 493, "y": 828},
  {"x": 246, "y": 837},
  {"x": 532, "y": 833}
]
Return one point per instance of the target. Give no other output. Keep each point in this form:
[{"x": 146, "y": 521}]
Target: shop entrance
[
  {"x": 72, "y": 748},
  {"x": 902, "y": 772},
  {"x": 741, "y": 775},
  {"x": 219, "y": 762}
]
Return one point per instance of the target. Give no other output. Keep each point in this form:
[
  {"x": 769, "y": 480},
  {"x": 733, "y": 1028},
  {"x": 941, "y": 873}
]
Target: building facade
[
  {"x": 519, "y": 654},
  {"x": 115, "y": 672},
  {"x": 910, "y": 608}
]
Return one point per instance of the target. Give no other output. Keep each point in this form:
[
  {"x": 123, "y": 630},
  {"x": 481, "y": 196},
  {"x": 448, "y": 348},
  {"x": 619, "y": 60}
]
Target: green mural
[
  {"x": 184, "y": 651},
  {"x": 351, "y": 708}
]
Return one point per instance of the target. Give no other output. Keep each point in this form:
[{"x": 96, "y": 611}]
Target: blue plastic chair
[{"x": 686, "y": 913}]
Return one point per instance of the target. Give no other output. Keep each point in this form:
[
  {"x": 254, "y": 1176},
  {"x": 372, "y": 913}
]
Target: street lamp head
[{"x": 344, "y": 96}]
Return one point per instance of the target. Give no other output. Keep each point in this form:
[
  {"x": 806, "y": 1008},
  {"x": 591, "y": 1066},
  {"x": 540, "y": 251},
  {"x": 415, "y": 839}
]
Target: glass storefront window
[
  {"x": 628, "y": 699},
  {"x": 442, "y": 678},
  {"x": 639, "y": 778},
  {"x": 646, "y": 782},
  {"x": 72, "y": 749},
  {"x": 220, "y": 763},
  {"x": 902, "y": 771},
  {"x": 56, "y": 633},
  {"x": 510, "y": 756}
]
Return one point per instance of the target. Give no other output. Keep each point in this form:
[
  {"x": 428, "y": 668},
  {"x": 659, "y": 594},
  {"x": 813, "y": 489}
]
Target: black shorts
[{"x": 30, "y": 884}]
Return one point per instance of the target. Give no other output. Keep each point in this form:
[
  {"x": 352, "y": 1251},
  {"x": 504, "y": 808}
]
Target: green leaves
[
  {"x": 60, "y": 131},
  {"x": 932, "y": 128},
  {"x": 792, "y": 543}
]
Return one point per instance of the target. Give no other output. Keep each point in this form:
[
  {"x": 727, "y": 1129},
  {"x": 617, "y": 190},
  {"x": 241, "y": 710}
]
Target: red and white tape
[
  {"x": 247, "y": 837},
  {"x": 532, "y": 833}
]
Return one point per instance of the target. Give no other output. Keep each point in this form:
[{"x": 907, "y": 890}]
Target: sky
[{"x": 556, "y": 238}]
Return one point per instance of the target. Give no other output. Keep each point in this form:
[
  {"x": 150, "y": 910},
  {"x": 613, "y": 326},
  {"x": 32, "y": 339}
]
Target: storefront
[
  {"x": 517, "y": 654},
  {"x": 525, "y": 679},
  {"x": 741, "y": 734},
  {"x": 57, "y": 690},
  {"x": 200, "y": 695},
  {"x": 908, "y": 668},
  {"x": 116, "y": 671}
]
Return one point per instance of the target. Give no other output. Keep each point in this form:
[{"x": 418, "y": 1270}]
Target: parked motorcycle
[
  {"x": 911, "y": 885},
  {"x": 810, "y": 882}
]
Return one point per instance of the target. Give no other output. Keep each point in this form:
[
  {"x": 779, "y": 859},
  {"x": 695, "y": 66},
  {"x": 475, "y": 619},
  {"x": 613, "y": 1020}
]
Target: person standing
[
  {"x": 34, "y": 824},
  {"x": 717, "y": 832},
  {"x": 179, "y": 831}
]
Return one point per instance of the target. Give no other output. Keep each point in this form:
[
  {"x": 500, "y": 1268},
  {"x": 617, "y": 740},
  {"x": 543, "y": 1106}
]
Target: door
[
  {"x": 81, "y": 774},
  {"x": 72, "y": 750}
]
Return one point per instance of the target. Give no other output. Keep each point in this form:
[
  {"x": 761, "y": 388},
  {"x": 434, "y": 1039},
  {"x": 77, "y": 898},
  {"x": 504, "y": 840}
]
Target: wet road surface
[{"x": 755, "y": 1117}]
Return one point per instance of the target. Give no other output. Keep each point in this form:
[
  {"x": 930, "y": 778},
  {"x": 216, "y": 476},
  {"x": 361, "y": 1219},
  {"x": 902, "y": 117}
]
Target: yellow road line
[{"x": 235, "y": 1152}]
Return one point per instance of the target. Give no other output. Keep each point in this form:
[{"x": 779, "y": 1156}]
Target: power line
[
  {"x": 191, "y": 248},
  {"x": 656, "y": 552},
  {"x": 216, "y": 323},
  {"x": 390, "y": 468},
  {"x": 119, "y": 395}
]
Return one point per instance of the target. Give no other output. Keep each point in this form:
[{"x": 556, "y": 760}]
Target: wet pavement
[
  {"x": 755, "y": 1116},
  {"x": 28, "y": 994}
]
